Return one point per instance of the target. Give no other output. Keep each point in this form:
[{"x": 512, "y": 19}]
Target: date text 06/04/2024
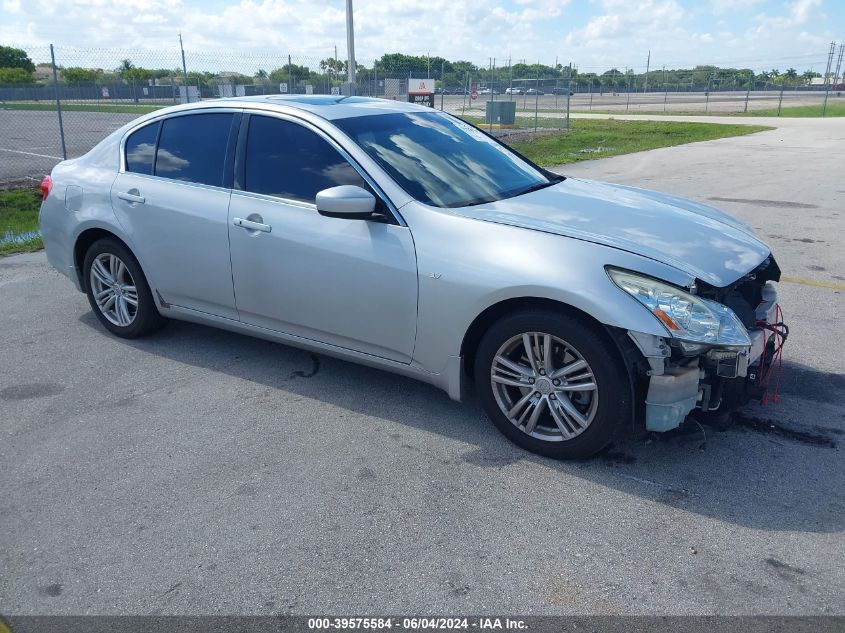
[{"x": 416, "y": 624}]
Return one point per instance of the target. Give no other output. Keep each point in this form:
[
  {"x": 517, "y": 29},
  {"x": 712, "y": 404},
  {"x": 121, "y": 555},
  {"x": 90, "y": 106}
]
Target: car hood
[{"x": 699, "y": 240}]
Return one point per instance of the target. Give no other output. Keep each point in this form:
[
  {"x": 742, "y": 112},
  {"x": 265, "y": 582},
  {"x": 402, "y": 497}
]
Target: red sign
[{"x": 474, "y": 93}]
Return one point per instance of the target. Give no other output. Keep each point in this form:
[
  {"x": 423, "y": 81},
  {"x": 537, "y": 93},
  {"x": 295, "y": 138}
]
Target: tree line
[{"x": 17, "y": 68}]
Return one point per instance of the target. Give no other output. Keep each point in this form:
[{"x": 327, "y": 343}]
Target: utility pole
[
  {"x": 350, "y": 47},
  {"x": 835, "y": 76},
  {"x": 647, "y": 66},
  {"x": 838, "y": 64},
  {"x": 827, "y": 76},
  {"x": 184, "y": 70}
]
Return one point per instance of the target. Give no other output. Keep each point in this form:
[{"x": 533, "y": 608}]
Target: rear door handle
[
  {"x": 251, "y": 225},
  {"x": 131, "y": 197}
]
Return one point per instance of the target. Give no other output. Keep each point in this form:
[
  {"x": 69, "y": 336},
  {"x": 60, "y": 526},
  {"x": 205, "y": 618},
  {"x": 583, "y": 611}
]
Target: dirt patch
[{"x": 780, "y": 204}]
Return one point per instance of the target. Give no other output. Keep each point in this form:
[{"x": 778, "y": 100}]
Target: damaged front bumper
[{"x": 682, "y": 376}]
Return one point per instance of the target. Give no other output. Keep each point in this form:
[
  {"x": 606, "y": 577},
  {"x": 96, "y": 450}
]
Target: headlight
[{"x": 685, "y": 316}]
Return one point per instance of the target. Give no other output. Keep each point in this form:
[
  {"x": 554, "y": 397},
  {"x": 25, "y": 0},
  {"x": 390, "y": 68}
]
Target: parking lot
[
  {"x": 199, "y": 471},
  {"x": 31, "y": 143}
]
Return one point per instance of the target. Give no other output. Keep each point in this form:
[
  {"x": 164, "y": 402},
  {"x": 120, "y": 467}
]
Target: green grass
[
  {"x": 75, "y": 107},
  {"x": 18, "y": 218},
  {"x": 834, "y": 108},
  {"x": 600, "y": 138}
]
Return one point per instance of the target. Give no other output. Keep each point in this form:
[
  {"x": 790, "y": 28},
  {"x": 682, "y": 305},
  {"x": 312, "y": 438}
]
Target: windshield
[{"x": 441, "y": 160}]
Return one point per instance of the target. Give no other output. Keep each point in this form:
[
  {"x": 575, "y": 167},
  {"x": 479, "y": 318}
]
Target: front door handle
[
  {"x": 131, "y": 196},
  {"x": 252, "y": 225}
]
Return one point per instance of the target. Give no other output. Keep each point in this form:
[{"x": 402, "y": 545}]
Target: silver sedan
[{"x": 404, "y": 238}]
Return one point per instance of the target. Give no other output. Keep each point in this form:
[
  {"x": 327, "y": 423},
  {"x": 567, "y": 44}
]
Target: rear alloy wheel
[
  {"x": 552, "y": 384},
  {"x": 114, "y": 289},
  {"x": 117, "y": 290}
]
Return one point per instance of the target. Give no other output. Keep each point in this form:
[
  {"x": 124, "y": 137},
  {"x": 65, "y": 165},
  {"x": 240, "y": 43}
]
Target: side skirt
[{"x": 416, "y": 372}]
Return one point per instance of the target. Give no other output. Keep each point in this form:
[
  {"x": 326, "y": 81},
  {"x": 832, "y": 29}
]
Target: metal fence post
[
  {"x": 490, "y": 123},
  {"x": 568, "y": 92},
  {"x": 290, "y": 77},
  {"x": 184, "y": 70},
  {"x": 442, "y": 84},
  {"x": 747, "y": 94},
  {"x": 780, "y": 100},
  {"x": 58, "y": 102}
]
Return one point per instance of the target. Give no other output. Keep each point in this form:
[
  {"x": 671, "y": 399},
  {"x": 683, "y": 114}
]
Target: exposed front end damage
[{"x": 683, "y": 376}]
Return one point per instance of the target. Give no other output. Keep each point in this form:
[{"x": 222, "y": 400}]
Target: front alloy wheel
[
  {"x": 544, "y": 386},
  {"x": 553, "y": 383}
]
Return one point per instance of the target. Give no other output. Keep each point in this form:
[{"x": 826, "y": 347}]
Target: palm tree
[
  {"x": 125, "y": 66},
  {"x": 791, "y": 76}
]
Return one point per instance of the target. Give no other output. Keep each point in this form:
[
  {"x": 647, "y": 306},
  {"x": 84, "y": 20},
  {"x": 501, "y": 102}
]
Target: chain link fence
[{"x": 77, "y": 96}]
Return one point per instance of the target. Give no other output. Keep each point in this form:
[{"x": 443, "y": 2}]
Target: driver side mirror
[{"x": 346, "y": 201}]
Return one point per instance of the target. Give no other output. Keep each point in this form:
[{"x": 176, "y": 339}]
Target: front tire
[
  {"x": 552, "y": 383},
  {"x": 118, "y": 291}
]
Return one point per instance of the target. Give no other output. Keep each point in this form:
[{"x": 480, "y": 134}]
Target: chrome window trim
[
  {"x": 188, "y": 183},
  {"x": 292, "y": 118},
  {"x": 264, "y": 196}
]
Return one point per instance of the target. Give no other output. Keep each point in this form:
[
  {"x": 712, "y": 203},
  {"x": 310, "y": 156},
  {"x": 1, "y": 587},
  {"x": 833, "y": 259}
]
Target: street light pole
[{"x": 350, "y": 45}]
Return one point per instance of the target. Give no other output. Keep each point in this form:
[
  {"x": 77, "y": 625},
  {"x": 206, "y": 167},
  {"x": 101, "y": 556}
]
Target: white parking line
[{"x": 15, "y": 151}]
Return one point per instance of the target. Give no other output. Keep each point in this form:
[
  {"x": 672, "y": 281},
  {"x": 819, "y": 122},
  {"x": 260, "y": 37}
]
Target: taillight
[{"x": 46, "y": 187}]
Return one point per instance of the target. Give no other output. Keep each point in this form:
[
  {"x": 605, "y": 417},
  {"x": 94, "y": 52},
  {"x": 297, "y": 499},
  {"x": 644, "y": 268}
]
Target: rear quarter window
[{"x": 140, "y": 149}]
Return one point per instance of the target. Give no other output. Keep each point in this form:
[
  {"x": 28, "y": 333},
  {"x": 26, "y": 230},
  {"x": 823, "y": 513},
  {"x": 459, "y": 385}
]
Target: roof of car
[{"x": 326, "y": 106}]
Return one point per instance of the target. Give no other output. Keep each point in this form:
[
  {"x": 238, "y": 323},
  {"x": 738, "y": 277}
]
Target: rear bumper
[{"x": 56, "y": 226}]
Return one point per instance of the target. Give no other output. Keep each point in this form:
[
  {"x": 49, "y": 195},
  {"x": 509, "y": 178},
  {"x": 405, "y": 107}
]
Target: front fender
[{"x": 499, "y": 263}]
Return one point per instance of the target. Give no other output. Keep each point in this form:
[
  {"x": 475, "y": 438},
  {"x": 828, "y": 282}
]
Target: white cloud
[
  {"x": 630, "y": 20},
  {"x": 248, "y": 34},
  {"x": 800, "y": 12},
  {"x": 720, "y": 7},
  {"x": 458, "y": 29}
]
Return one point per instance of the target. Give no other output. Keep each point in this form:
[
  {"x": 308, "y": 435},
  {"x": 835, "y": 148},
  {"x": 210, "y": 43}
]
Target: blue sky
[{"x": 592, "y": 34}]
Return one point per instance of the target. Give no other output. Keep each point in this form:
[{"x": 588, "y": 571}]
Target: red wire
[{"x": 779, "y": 331}]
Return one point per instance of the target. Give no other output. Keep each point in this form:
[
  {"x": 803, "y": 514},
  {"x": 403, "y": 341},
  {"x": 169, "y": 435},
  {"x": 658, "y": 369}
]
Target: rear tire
[
  {"x": 574, "y": 376},
  {"x": 118, "y": 291}
]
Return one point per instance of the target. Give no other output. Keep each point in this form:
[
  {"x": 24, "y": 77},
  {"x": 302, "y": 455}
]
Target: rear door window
[
  {"x": 287, "y": 160},
  {"x": 193, "y": 148}
]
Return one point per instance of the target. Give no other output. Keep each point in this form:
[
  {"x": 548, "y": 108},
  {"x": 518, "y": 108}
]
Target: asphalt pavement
[{"x": 202, "y": 472}]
